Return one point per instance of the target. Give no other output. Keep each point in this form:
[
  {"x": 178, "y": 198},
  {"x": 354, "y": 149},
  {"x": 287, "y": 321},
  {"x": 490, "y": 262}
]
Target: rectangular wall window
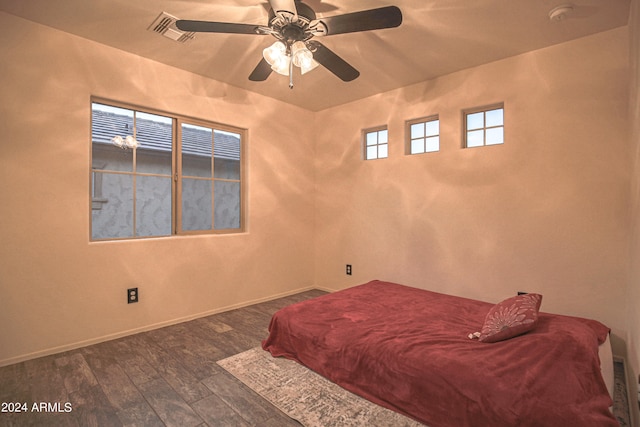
[
  {"x": 144, "y": 181},
  {"x": 484, "y": 126},
  {"x": 423, "y": 135},
  {"x": 376, "y": 143}
]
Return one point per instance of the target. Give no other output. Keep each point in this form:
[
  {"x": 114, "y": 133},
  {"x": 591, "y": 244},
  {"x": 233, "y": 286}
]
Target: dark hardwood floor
[{"x": 164, "y": 377}]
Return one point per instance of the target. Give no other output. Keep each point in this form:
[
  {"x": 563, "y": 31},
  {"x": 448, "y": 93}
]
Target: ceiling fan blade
[
  {"x": 261, "y": 72},
  {"x": 284, "y": 6},
  {"x": 215, "y": 27},
  {"x": 373, "y": 19},
  {"x": 332, "y": 62}
]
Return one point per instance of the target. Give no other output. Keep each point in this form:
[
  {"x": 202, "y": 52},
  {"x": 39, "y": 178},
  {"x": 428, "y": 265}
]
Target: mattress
[{"x": 408, "y": 349}]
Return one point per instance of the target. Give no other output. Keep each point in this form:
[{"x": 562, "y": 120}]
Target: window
[
  {"x": 376, "y": 143},
  {"x": 484, "y": 126},
  {"x": 423, "y": 135},
  {"x": 160, "y": 175}
]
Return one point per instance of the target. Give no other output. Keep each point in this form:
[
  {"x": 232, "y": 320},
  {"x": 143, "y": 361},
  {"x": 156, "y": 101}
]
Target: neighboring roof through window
[{"x": 155, "y": 135}]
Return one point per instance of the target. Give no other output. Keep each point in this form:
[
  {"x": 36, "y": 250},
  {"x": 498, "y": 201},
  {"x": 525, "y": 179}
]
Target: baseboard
[{"x": 109, "y": 337}]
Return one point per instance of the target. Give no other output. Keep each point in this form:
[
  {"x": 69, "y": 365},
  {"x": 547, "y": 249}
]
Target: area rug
[{"x": 305, "y": 396}]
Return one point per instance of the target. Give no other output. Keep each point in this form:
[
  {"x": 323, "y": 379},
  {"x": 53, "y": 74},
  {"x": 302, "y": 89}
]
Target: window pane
[
  {"x": 383, "y": 137},
  {"x": 196, "y": 204},
  {"x": 495, "y": 136},
  {"x": 112, "y": 158},
  {"x": 495, "y": 117},
  {"x": 382, "y": 151},
  {"x": 114, "y": 216},
  {"x": 108, "y": 123},
  {"x": 417, "y": 146},
  {"x": 196, "y": 150},
  {"x": 432, "y": 144},
  {"x": 432, "y": 128},
  {"x": 475, "y": 138},
  {"x": 372, "y": 152},
  {"x": 475, "y": 121},
  {"x": 227, "y": 155},
  {"x": 417, "y": 130},
  {"x": 153, "y": 161},
  {"x": 155, "y": 135},
  {"x": 372, "y": 138},
  {"x": 227, "y": 205},
  {"x": 153, "y": 206}
]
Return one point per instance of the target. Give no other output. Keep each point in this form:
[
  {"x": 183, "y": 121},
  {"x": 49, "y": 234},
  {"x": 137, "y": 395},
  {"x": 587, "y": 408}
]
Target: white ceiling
[{"x": 437, "y": 37}]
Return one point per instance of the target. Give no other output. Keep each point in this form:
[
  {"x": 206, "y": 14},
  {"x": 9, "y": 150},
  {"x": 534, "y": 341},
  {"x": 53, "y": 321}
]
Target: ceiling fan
[{"x": 294, "y": 25}]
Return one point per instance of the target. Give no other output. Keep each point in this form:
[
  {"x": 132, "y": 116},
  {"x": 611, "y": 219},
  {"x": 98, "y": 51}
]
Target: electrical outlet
[
  {"x": 349, "y": 269},
  {"x": 132, "y": 295}
]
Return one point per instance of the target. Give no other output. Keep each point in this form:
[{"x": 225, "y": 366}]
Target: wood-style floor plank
[{"x": 164, "y": 377}]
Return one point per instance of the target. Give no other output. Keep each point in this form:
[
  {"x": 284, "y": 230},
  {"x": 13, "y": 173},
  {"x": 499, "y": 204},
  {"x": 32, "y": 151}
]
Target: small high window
[
  {"x": 484, "y": 126},
  {"x": 423, "y": 135},
  {"x": 376, "y": 143}
]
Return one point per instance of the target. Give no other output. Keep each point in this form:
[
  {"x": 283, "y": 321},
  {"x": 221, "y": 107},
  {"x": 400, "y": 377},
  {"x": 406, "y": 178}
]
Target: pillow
[{"x": 511, "y": 317}]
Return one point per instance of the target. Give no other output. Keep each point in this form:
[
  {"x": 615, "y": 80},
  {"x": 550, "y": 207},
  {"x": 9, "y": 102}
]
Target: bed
[{"x": 420, "y": 353}]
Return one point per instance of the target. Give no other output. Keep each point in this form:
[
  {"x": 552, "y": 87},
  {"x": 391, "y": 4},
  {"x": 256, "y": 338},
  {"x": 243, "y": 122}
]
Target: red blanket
[{"x": 408, "y": 350}]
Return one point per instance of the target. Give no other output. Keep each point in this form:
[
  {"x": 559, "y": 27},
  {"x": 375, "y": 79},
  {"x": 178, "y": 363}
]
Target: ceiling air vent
[{"x": 165, "y": 24}]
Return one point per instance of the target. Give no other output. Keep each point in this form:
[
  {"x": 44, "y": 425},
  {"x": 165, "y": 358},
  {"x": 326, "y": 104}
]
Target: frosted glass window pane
[
  {"x": 113, "y": 217},
  {"x": 417, "y": 146},
  {"x": 153, "y": 206},
  {"x": 382, "y": 151},
  {"x": 475, "y": 138},
  {"x": 227, "y": 205},
  {"x": 196, "y": 204},
  {"x": 372, "y": 152},
  {"x": 417, "y": 130},
  {"x": 432, "y": 128},
  {"x": 495, "y": 117},
  {"x": 372, "y": 138},
  {"x": 475, "y": 121},
  {"x": 495, "y": 136},
  {"x": 432, "y": 144}
]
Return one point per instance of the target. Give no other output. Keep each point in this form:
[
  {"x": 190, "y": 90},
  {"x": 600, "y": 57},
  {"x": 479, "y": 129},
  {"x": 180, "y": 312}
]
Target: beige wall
[
  {"x": 546, "y": 212},
  {"x": 56, "y": 288},
  {"x": 633, "y": 297}
]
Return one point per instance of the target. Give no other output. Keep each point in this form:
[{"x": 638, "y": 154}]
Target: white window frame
[
  {"x": 375, "y": 139},
  {"x": 425, "y": 138},
  {"x": 484, "y": 130}
]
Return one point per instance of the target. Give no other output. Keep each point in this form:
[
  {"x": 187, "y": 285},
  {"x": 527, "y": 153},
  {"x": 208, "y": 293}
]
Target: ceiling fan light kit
[{"x": 293, "y": 24}]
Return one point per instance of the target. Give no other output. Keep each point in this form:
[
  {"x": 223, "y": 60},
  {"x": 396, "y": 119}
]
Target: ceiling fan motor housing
[{"x": 293, "y": 29}]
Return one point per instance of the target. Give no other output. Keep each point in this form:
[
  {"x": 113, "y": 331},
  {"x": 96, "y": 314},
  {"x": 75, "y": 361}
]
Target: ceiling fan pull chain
[{"x": 291, "y": 74}]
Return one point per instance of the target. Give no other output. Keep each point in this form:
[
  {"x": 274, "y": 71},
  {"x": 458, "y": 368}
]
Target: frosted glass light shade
[
  {"x": 302, "y": 57},
  {"x": 275, "y": 52}
]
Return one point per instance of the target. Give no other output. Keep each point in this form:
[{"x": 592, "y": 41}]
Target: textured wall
[
  {"x": 58, "y": 289},
  {"x": 633, "y": 298},
  {"x": 548, "y": 211}
]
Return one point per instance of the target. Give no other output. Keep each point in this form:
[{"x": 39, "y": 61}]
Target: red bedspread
[{"x": 408, "y": 349}]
